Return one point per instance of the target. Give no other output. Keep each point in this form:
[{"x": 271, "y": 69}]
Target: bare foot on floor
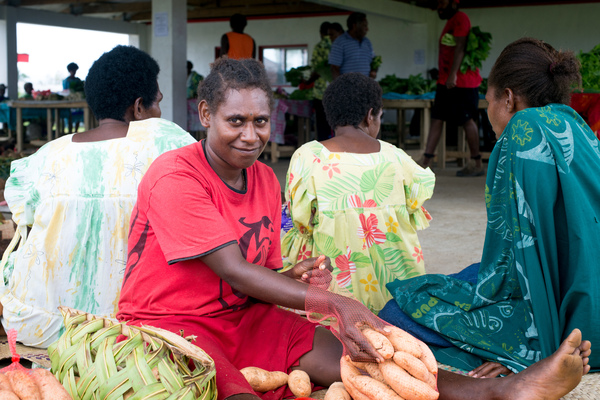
[{"x": 554, "y": 376}]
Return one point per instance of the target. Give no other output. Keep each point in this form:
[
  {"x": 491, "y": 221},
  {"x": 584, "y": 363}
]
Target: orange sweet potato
[
  {"x": 23, "y": 385},
  {"x": 50, "y": 387},
  {"x": 374, "y": 389},
  {"x": 415, "y": 367},
  {"x": 8, "y": 395},
  {"x": 428, "y": 359},
  {"x": 299, "y": 383},
  {"x": 406, "y": 385},
  {"x": 348, "y": 372},
  {"x": 337, "y": 391},
  {"x": 5, "y": 383},
  {"x": 263, "y": 381},
  {"x": 403, "y": 341},
  {"x": 379, "y": 342},
  {"x": 374, "y": 371}
]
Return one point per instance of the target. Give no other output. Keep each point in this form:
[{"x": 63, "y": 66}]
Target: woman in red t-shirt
[{"x": 204, "y": 244}]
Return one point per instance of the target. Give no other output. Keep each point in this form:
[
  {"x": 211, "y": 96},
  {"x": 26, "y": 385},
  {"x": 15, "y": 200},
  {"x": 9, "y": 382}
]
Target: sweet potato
[
  {"x": 404, "y": 384},
  {"x": 428, "y": 359},
  {"x": 379, "y": 342},
  {"x": 373, "y": 370},
  {"x": 23, "y": 385},
  {"x": 8, "y": 395},
  {"x": 5, "y": 383},
  {"x": 374, "y": 389},
  {"x": 49, "y": 386},
  {"x": 264, "y": 381},
  {"x": 415, "y": 367},
  {"x": 348, "y": 371},
  {"x": 403, "y": 341},
  {"x": 299, "y": 383},
  {"x": 337, "y": 391}
]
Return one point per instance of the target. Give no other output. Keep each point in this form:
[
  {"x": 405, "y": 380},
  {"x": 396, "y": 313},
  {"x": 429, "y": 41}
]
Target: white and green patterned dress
[
  {"x": 77, "y": 199},
  {"x": 361, "y": 210}
]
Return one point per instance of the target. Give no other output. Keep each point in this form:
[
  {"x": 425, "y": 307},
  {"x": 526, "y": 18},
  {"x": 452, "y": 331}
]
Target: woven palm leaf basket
[{"x": 150, "y": 364}]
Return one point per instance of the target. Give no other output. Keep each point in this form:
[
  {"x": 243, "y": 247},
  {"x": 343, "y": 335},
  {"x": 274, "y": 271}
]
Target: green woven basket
[{"x": 151, "y": 363}]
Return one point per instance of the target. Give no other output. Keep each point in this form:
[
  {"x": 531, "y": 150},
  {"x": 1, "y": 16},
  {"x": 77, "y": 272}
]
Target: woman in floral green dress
[{"x": 357, "y": 199}]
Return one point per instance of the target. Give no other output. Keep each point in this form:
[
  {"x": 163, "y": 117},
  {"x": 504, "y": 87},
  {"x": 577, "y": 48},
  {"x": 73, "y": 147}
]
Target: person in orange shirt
[{"x": 237, "y": 44}]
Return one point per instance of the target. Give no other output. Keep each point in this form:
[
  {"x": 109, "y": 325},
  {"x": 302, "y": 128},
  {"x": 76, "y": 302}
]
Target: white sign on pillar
[{"x": 169, "y": 48}]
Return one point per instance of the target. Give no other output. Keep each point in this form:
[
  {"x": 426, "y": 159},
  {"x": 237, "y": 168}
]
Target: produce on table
[
  {"x": 337, "y": 391},
  {"x": 299, "y": 383},
  {"x": 590, "y": 69},
  {"x": 414, "y": 85},
  {"x": 411, "y": 373},
  {"x": 263, "y": 381},
  {"x": 295, "y": 76},
  {"x": 477, "y": 50}
]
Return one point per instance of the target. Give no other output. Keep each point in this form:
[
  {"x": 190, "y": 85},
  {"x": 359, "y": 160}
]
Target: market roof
[{"x": 140, "y": 11}]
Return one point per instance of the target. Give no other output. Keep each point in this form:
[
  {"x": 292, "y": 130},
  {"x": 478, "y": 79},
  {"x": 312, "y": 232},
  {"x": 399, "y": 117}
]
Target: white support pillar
[
  {"x": 169, "y": 48},
  {"x": 8, "y": 31}
]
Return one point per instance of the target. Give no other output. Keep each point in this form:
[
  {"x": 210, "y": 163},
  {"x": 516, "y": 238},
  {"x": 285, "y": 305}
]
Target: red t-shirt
[
  {"x": 458, "y": 26},
  {"x": 184, "y": 211}
]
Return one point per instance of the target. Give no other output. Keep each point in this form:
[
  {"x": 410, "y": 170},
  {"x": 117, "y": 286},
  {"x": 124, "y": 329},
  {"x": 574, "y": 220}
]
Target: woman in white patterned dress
[{"x": 72, "y": 201}]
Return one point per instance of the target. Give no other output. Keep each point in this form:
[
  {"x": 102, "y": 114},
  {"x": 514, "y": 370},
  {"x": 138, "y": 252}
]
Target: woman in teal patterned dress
[
  {"x": 357, "y": 199},
  {"x": 538, "y": 278}
]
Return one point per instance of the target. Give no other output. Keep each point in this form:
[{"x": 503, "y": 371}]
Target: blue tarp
[{"x": 398, "y": 96}]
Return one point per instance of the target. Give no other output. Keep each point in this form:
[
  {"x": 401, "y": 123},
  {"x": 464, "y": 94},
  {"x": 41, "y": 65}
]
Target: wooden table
[
  {"x": 411, "y": 104},
  {"x": 50, "y": 106},
  {"x": 425, "y": 104}
]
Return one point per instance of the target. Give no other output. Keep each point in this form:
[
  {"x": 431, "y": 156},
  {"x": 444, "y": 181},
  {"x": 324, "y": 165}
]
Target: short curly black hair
[
  {"x": 227, "y": 73},
  {"x": 348, "y": 99},
  {"x": 72, "y": 67},
  {"x": 118, "y": 78}
]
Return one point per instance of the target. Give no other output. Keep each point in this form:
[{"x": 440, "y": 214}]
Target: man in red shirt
[
  {"x": 236, "y": 44},
  {"x": 457, "y": 96}
]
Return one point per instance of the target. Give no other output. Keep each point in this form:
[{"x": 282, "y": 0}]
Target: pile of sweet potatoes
[
  {"x": 34, "y": 384},
  {"x": 408, "y": 372}
]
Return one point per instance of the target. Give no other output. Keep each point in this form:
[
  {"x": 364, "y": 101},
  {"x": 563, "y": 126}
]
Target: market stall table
[
  {"x": 301, "y": 109},
  {"x": 49, "y": 106}
]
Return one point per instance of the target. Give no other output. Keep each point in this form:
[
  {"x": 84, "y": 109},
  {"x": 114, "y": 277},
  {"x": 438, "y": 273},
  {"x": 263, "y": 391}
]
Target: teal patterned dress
[{"x": 540, "y": 271}]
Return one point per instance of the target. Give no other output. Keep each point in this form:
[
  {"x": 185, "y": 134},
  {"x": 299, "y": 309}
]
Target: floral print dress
[{"x": 361, "y": 210}]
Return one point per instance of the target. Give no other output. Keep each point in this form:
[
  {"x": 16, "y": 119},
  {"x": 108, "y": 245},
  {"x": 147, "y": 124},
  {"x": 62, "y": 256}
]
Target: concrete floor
[{"x": 454, "y": 239}]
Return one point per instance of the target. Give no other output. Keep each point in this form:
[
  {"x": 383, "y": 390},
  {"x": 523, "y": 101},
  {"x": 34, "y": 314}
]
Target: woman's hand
[
  {"x": 311, "y": 270},
  {"x": 490, "y": 370},
  {"x": 350, "y": 316}
]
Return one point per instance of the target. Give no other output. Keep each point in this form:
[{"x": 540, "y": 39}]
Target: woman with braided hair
[{"x": 538, "y": 278}]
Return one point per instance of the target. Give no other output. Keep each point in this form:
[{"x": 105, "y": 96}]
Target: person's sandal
[{"x": 470, "y": 171}]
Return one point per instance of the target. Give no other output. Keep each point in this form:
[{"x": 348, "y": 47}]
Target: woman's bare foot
[{"x": 554, "y": 376}]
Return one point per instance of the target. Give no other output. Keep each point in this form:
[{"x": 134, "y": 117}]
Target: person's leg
[
  {"x": 322, "y": 363},
  {"x": 435, "y": 132},
  {"x": 472, "y": 136},
  {"x": 551, "y": 378}
]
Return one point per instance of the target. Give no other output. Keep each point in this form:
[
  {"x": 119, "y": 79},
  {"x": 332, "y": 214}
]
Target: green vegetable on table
[
  {"x": 590, "y": 69},
  {"x": 477, "y": 50},
  {"x": 414, "y": 85},
  {"x": 295, "y": 76}
]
